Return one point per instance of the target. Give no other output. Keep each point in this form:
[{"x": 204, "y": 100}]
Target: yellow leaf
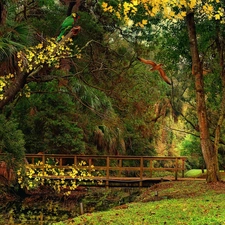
[
  {"x": 135, "y": 2},
  {"x": 144, "y": 22},
  {"x": 104, "y": 5},
  {"x": 217, "y": 16},
  {"x": 183, "y": 14}
]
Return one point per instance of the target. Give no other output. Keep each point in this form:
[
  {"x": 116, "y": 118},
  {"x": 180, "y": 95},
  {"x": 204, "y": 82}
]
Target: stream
[{"x": 45, "y": 209}]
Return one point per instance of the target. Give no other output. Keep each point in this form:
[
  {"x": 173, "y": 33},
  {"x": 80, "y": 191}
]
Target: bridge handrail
[{"x": 107, "y": 167}]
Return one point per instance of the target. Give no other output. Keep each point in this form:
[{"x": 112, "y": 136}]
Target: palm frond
[
  {"x": 92, "y": 97},
  {"x": 21, "y": 33},
  {"x": 14, "y": 39}
]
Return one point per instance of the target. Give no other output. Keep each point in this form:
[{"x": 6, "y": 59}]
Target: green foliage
[
  {"x": 46, "y": 3},
  {"x": 137, "y": 144},
  {"x": 14, "y": 38},
  {"x": 47, "y": 18},
  {"x": 91, "y": 98},
  {"x": 11, "y": 140},
  {"x": 107, "y": 87},
  {"x": 101, "y": 199},
  {"x": 92, "y": 30},
  {"x": 191, "y": 147},
  {"x": 48, "y": 121},
  {"x": 21, "y": 33}
]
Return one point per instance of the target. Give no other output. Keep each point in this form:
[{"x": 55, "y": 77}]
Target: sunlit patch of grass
[
  {"x": 194, "y": 173},
  {"x": 198, "y": 173}
]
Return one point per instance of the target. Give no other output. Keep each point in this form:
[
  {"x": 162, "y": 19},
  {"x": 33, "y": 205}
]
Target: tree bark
[
  {"x": 220, "y": 49},
  {"x": 209, "y": 153},
  {"x": 3, "y": 13}
]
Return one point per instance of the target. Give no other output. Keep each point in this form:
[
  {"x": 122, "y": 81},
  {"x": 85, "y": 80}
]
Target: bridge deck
[{"x": 123, "y": 181}]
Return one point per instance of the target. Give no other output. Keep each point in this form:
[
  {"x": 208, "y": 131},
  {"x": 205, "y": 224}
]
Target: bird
[
  {"x": 67, "y": 24},
  {"x": 156, "y": 67}
]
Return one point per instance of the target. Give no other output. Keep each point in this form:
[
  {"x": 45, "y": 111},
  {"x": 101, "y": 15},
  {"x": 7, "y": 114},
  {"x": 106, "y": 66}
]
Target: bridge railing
[{"x": 116, "y": 166}]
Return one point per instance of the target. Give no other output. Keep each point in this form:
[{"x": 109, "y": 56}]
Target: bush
[{"x": 11, "y": 142}]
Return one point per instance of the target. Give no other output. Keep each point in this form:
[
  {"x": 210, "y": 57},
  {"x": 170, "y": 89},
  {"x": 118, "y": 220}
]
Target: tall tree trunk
[
  {"x": 3, "y": 13},
  {"x": 209, "y": 153},
  {"x": 220, "y": 49}
]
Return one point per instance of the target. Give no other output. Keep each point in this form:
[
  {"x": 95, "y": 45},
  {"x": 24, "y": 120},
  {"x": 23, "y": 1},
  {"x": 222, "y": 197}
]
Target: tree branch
[
  {"x": 16, "y": 86},
  {"x": 21, "y": 77}
]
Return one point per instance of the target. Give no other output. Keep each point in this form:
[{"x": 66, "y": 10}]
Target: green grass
[
  {"x": 186, "y": 202},
  {"x": 194, "y": 173},
  {"x": 198, "y": 173},
  {"x": 175, "y": 211}
]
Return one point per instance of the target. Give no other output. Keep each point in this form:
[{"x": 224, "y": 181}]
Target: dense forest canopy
[
  {"x": 87, "y": 92},
  {"x": 193, "y": 13}
]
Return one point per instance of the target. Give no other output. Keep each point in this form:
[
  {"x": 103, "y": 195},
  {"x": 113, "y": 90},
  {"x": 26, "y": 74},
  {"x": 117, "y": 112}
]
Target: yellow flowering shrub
[
  {"x": 61, "y": 180},
  {"x": 47, "y": 53}
]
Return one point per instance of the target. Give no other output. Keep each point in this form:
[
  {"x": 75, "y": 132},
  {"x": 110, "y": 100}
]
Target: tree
[
  {"x": 47, "y": 120},
  {"x": 137, "y": 13},
  {"x": 28, "y": 60},
  {"x": 101, "y": 97},
  {"x": 190, "y": 146},
  {"x": 209, "y": 152},
  {"x": 12, "y": 142}
]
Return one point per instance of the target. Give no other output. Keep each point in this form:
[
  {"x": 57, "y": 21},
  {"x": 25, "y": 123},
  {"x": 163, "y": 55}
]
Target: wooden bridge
[{"x": 116, "y": 170}]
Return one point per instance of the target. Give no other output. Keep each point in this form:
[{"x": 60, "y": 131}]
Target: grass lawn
[
  {"x": 198, "y": 173},
  {"x": 179, "y": 202},
  {"x": 194, "y": 173}
]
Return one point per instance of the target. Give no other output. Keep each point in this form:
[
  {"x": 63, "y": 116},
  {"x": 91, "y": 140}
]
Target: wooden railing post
[
  {"x": 89, "y": 164},
  {"x": 120, "y": 167},
  {"x": 183, "y": 167},
  {"x": 150, "y": 167},
  {"x": 141, "y": 171},
  {"x": 176, "y": 169},
  {"x": 43, "y": 164},
  {"x": 75, "y": 160},
  {"x": 60, "y": 162},
  {"x": 107, "y": 171}
]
